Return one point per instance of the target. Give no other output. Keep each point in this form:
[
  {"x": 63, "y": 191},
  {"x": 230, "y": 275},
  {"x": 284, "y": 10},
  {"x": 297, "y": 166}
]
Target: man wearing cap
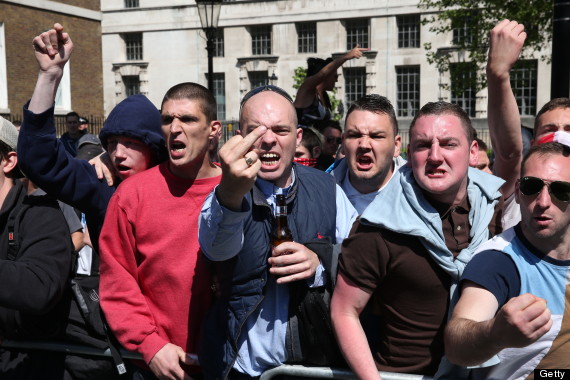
[
  {"x": 83, "y": 125},
  {"x": 249, "y": 330},
  {"x": 88, "y": 147},
  {"x": 34, "y": 274}
]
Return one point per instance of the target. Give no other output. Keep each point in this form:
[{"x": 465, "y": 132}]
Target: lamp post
[{"x": 209, "y": 11}]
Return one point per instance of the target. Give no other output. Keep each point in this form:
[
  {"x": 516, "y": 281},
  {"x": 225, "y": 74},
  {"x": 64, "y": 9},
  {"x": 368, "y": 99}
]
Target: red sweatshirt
[{"x": 155, "y": 284}]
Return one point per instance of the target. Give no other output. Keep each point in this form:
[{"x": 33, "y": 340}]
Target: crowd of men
[{"x": 429, "y": 266}]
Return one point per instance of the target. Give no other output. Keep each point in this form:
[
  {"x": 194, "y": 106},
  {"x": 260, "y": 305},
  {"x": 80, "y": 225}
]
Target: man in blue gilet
[{"x": 250, "y": 329}]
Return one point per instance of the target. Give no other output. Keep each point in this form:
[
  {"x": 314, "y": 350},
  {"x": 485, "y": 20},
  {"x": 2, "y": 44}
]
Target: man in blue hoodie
[{"x": 131, "y": 135}]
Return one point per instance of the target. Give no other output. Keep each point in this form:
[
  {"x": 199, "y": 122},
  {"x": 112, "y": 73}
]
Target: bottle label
[{"x": 281, "y": 211}]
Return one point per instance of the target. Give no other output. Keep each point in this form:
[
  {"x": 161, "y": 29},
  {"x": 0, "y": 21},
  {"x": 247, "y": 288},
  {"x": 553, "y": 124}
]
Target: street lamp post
[{"x": 209, "y": 12}]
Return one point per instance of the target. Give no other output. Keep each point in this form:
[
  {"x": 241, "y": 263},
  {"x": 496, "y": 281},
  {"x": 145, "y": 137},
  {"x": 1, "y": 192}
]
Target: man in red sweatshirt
[{"x": 155, "y": 285}]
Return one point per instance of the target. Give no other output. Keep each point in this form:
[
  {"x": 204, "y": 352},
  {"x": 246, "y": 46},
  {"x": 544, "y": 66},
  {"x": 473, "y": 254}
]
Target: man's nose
[{"x": 435, "y": 153}]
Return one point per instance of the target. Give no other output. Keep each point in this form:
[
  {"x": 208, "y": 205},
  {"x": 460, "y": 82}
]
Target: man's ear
[
  {"x": 474, "y": 153},
  {"x": 9, "y": 162},
  {"x": 316, "y": 151},
  {"x": 397, "y": 145},
  {"x": 216, "y": 129}
]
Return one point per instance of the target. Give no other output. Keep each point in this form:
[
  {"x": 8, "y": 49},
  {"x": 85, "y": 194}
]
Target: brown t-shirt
[{"x": 409, "y": 291}]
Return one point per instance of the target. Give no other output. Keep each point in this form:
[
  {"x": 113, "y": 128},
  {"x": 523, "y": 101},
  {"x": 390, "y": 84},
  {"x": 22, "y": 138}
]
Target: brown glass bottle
[{"x": 282, "y": 232}]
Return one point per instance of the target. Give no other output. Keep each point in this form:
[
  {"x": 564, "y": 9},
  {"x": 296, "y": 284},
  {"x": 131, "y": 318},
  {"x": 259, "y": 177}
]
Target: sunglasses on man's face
[
  {"x": 533, "y": 185},
  {"x": 268, "y": 87},
  {"x": 332, "y": 139}
]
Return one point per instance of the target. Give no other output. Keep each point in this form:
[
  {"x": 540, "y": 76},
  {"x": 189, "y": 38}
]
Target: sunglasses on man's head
[
  {"x": 533, "y": 185},
  {"x": 267, "y": 87}
]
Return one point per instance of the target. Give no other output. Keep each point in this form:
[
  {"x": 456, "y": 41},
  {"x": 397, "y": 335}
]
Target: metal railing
[
  {"x": 289, "y": 370},
  {"x": 331, "y": 373}
]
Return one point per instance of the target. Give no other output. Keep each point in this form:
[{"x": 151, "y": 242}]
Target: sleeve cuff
[
  {"x": 150, "y": 346},
  {"x": 42, "y": 123}
]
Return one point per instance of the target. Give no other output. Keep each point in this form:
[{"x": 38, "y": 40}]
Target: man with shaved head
[{"x": 250, "y": 329}]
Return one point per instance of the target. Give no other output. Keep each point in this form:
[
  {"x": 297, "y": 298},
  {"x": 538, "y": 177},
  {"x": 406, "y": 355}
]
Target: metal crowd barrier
[
  {"x": 331, "y": 373},
  {"x": 288, "y": 370}
]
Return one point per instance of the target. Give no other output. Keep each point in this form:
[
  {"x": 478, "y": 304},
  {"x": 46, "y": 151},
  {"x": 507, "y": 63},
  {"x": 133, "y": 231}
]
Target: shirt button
[{"x": 458, "y": 228}]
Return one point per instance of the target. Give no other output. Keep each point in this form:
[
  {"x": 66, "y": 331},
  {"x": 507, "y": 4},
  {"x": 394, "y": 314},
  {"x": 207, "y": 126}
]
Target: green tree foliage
[
  {"x": 299, "y": 76},
  {"x": 470, "y": 21}
]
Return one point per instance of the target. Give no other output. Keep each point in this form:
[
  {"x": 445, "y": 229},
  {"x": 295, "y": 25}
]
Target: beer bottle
[{"x": 282, "y": 231}]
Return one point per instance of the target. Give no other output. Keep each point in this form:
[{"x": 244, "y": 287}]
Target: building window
[
  {"x": 408, "y": 31},
  {"x": 63, "y": 94},
  {"x": 134, "y": 45},
  {"x": 132, "y": 85},
  {"x": 258, "y": 78},
  {"x": 354, "y": 84},
  {"x": 408, "y": 87},
  {"x": 219, "y": 43},
  {"x": 307, "y": 37},
  {"x": 131, "y": 3},
  {"x": 463, "y": 94},
  {"x": 3, "y": 71},
  {"x": 523, "y": 83},
  {"x": 357, "y": 33},
  {"x": 462, "y": 30},
  {"x": 220, "y": 94},
  {"x": 261, "y": 39}
]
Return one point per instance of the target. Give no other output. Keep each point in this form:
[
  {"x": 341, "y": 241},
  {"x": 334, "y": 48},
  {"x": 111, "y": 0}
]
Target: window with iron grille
[
  {"x": 220, "y": 94},
  {"x": 462, "y": 92},
  {"x": 134, "y": 44},
  {"x": 357, "y": 33},
  {"x": 354, "y": 84},
  {"x": 219, "y": 43},
  {"x": 408, "y": 90},
  {"x": 260, "y": 39},
  {"x": 258, "y": 78},
  {"x": 408, "y": 31},
  {"x": 307, "y": 37},
  {"x": 131, "y": 3},
  {"x": 523, "y": 83},
  {"x": 132, "y": 85}
]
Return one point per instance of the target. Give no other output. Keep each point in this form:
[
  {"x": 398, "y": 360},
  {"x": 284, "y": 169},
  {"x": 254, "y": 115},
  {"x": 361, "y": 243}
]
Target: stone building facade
[{"x": 150, "y": 45}]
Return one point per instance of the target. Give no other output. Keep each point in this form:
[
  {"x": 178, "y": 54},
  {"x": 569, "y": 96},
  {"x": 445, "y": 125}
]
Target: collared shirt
[{"x": 262, "y": 342}]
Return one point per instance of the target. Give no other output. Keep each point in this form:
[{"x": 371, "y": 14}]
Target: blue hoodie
[
  {"x": 138, "y": 118},
  {"x": 44, "y": 160}
]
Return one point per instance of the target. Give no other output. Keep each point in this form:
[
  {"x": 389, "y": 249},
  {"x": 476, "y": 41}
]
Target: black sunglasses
[
  {"x": 332, "y": 139},
  {"x": 267, "y": 87},
  {"x": 533, "y": 185}
]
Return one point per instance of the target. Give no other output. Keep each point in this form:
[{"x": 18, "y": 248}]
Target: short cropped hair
[
  {"x": 193, "y": 91},
  {"x": 321, "y": 125},
  {"x": 4, "y": 150},
  {"x": 377, "y": 104},
  {"x": 551, "y": 105},
  {"x": 71, "y": 114},
  {"x": 553, "y": 148},
  {"x": 442, "y": 108}
]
